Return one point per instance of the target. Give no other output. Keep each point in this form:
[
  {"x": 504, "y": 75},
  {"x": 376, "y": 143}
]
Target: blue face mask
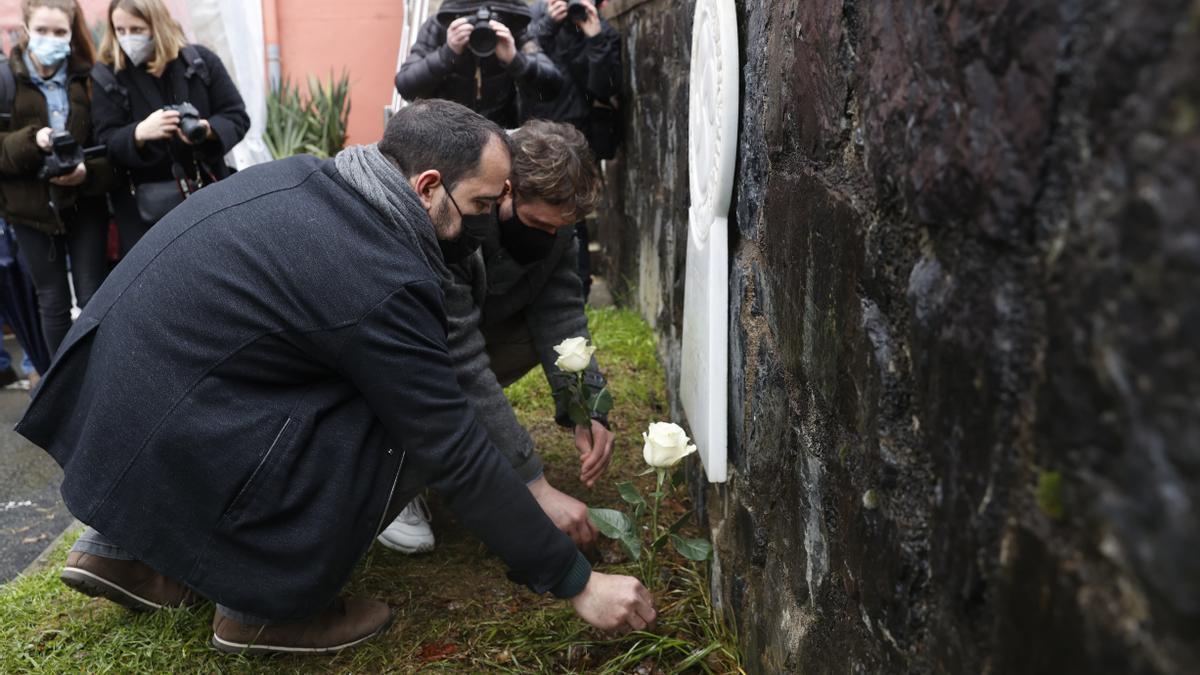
[{"x": 49, "y": 51}]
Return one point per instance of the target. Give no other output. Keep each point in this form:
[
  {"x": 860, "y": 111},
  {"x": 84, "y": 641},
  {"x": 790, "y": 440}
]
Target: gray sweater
[{"x": 490, "y": 287}]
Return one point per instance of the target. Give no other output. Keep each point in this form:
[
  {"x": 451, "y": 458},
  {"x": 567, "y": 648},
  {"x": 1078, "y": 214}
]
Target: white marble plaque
[{"x": 712, "y": 150}]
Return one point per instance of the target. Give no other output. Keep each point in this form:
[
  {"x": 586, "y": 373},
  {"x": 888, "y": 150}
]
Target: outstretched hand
[
  {"x": 567, "y": 513},
  {"x": 615, "y": 604}
]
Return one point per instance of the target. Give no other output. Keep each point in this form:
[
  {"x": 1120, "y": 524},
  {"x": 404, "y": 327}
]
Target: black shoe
[{"x": 8, "y": 377}]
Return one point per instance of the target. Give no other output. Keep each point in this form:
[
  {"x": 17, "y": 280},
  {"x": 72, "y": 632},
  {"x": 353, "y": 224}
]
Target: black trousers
[
  {"x": 47, "y": 255},
  {"x": 130, "y": 226}
]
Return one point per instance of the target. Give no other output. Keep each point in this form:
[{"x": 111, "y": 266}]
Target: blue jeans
[
  {"x": 6, "y": 361},
  {"x": 92, "y": 542}
]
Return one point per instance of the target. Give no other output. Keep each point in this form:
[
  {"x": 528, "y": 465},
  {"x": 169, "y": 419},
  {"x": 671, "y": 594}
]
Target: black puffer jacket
[
  {"x": 116, "y": 113},
  {"x": 26, "y": 199},
  {"x": 591, "y": 67},
  {"x": 487, "y": 86}
]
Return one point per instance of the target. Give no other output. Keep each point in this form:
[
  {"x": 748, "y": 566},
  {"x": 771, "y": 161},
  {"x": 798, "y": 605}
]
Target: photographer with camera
[
  {"x": 475, "y": 53},
  {"x": 51, "y": 195},
  {"x": 588, "y": 52},
  {"x": 168, "y": 112}
]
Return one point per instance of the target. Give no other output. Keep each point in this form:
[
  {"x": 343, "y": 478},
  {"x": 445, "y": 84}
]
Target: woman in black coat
[
  {"x": 143, "y": 86},
  {"x": 54, "y": 201}
]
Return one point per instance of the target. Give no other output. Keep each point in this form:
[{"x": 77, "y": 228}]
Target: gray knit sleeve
[{"x": 468, "y": 352}]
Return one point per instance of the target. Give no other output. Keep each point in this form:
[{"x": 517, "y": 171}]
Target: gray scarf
[{"x": 383, "y": 186}]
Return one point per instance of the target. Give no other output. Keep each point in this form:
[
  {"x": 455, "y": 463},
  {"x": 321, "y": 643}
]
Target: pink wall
[{"x": 363, "y": 36}]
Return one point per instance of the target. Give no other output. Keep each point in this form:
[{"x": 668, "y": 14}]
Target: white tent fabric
[{"x": 233, "y": 29}]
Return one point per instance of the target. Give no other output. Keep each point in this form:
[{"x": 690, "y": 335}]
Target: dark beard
[{"x": 442, "y": 219}]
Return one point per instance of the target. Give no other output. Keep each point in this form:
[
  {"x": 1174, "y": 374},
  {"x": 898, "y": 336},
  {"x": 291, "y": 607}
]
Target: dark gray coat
[{"x": 268, "y": 366}]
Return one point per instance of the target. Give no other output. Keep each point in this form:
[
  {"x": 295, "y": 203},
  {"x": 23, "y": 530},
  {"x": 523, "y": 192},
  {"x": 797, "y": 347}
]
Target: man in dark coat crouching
[{"x": 266, "y": 372}]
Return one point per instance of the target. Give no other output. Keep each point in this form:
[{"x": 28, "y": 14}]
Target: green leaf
[
  {"x": 692, "y": 549},
  {"x": 630, "y": 494},
  {"x": 647, "y": 472},
  {"x": 679, "y": 524},
  {"x": 578, "y": 414},
  {"x": 601, "y": 402},
  {"x": 658, "y": 544},
  {"x": 612, "y": 524},
  {"x": 639, "y": 511},
  {"x": 632, "y": 546},
  {"x": 679, "y": 477}
]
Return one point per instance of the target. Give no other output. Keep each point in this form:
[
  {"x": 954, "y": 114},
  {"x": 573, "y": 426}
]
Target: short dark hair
[{"x": 439, "y": 135}]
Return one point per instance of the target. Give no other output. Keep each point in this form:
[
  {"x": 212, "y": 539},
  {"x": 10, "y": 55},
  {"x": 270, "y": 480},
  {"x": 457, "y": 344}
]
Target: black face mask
[
  {"x": 525, "y": 244},
  {"x": 474, "y": 230}
]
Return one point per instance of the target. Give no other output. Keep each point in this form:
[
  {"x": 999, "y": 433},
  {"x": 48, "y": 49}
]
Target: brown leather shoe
[
  {"x": 345, "y": 623},
  {"x": 129, "y": 583}
]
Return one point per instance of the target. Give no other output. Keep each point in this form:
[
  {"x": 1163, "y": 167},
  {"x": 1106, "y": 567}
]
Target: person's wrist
[{"x": 575, "y": 582}]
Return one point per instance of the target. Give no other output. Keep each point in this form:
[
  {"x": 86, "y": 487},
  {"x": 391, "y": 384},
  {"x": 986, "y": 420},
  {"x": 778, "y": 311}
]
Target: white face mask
[
  {"x": 138, "y": 48},
  {"x": 49, "y": 51}
]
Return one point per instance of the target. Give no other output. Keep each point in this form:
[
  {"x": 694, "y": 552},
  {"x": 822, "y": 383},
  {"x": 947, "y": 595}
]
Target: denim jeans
[
  {"x": 94, "y": 543},
  {"x": 47, "y": 256}
]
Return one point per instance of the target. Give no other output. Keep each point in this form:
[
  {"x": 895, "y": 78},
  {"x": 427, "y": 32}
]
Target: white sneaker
[{"x": 409, "y": 532}]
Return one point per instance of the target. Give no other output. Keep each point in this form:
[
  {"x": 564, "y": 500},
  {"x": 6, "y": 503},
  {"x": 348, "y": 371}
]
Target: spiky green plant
[{"x": 315, "y": 123}]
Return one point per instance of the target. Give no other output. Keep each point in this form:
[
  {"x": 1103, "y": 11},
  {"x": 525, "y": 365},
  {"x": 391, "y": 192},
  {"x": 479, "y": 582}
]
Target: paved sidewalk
[{"x": 32, "y": 514}]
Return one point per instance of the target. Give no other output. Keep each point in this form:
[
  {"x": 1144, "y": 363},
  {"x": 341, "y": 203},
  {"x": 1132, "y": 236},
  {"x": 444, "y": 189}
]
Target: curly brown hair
[{"x": 552, "y": 162}]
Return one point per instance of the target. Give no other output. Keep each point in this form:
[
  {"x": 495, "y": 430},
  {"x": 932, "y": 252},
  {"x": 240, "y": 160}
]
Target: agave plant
[{"x": 315, "y": 124}]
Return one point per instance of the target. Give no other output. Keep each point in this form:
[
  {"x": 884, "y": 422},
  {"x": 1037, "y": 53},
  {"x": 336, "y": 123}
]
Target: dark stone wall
[{"x": 965, "y": 335}]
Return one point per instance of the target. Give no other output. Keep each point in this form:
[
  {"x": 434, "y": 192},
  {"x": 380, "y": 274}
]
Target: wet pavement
[{"x": 32, "y": 514}]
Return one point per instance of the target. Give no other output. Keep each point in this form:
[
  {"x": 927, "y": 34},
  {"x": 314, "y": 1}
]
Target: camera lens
[
  {"x": 192, "y": 128},
  {"x": 576, "y": 12},
  {"x": 482, "y": 42}
]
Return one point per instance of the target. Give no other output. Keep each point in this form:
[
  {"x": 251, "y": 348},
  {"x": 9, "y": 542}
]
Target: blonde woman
[
  {"x": 54, "y": 200},
  {"x": 168, "y": 112}
]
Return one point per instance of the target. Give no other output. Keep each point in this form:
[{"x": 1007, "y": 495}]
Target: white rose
[
  {"x": 574, "y": 354},
  {"x": 666, "y": 444}
]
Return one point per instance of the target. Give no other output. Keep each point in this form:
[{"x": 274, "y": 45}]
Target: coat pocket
[{"x": 245, "y": 495}]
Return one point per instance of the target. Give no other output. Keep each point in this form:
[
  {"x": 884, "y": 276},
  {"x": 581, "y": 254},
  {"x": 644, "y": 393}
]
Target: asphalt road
[{"x": 31, "y": 511}]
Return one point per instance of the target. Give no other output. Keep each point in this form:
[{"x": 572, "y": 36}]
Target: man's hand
[
  {"x": 457, "y": 34},
  {"x": 506, "y": 45},
  {"x": 72, "y": 179},
  {"x": 615, "y": 603},
  {"x": 595, "y": 445},
  {"x": 567, "y": 513},
  {"x": 557, "y": 10}
]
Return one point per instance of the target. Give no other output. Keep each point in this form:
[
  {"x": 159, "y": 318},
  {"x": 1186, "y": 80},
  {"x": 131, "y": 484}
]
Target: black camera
[
  {"x": 65, "y": 155},
  {"x": 576, "y": 12},
  {"x": 189, "y": 122},
  {"x": 482, "y": 42}
]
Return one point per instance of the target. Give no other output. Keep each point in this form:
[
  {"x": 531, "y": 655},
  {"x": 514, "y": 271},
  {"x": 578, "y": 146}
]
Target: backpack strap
[
  {"x": 196, "y": 66},
  {"x": 8, "y": 92},
  {"x": 103, "y": 76}
]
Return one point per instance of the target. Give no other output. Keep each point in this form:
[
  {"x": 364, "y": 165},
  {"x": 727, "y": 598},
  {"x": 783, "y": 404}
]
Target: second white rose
[{"x": 666, "y": 444}]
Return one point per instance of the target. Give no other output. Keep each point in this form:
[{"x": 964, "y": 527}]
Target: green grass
[{"x": 455, "y": 611}]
